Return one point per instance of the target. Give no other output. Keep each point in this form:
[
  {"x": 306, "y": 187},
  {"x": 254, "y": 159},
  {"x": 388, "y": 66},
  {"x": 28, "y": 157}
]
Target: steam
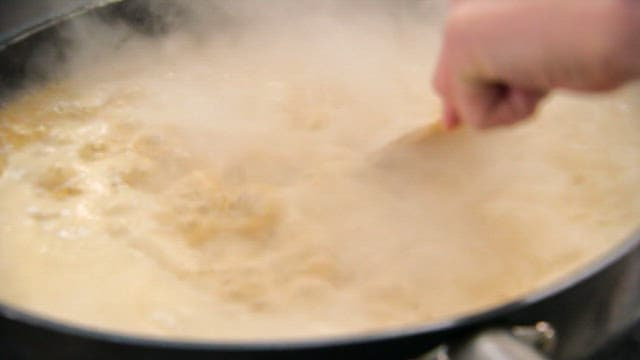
[
  {"x": 292, "y": 98},
  {"x": 341, "y": 60},
  {"x": 78, "y": 45}
]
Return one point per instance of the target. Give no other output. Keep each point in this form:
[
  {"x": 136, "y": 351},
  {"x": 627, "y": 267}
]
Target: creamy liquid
[{"x": 229, "y": 190}]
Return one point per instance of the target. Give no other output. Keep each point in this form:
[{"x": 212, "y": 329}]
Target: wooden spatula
[{"x": 410, "y": 143}]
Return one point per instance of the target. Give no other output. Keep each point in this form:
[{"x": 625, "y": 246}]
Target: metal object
[
  {"x": 587, "y": 309},
  {"x": 20, "y": 19},
  {"x": 439, "y": 353},
  {"x": 541, "y": 336},
  {"x": 496, "y": 344},
  {"x": 518, "y": 343}
]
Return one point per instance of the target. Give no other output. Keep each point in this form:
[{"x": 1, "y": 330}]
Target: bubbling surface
[{"x": 210, "y": 189}]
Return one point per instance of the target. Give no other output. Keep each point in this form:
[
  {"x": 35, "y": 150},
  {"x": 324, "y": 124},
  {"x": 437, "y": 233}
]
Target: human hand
[{"x": 500, "y": 58}]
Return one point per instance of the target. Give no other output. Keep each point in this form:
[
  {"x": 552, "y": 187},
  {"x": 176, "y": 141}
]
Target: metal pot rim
[
  {"x": 466, "y": 320},
  {"x": 471, "y": 319}
]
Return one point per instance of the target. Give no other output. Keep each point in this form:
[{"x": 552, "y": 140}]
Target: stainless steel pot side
[{"x": 567, "y": 320}]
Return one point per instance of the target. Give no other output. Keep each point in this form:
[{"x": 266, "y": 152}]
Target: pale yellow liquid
[{"x": 218, "y": 190}]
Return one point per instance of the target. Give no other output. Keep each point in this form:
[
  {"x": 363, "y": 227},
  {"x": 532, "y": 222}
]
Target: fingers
[
  {"x": 483, "y": 105},
  {"x": 449, "y": 117},
  {"x": 491, "y": 105},
  {"x": 441, "y": 83},
  {"x": 515, "y": 105},
  {"x": 480, "y": 104},
  {"x": 523, "y": 102},
  {"x": 477, "y": 85},
  {"x": 499, "y": 58}
]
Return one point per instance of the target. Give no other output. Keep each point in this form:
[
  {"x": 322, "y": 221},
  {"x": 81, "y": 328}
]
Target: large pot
[{"x": 570, "y": 319}]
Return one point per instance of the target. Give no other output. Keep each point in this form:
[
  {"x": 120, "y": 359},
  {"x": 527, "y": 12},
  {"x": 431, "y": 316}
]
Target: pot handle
[
  {"x": 495, "y": 344},
  {"x": 518, "y": 343}
]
